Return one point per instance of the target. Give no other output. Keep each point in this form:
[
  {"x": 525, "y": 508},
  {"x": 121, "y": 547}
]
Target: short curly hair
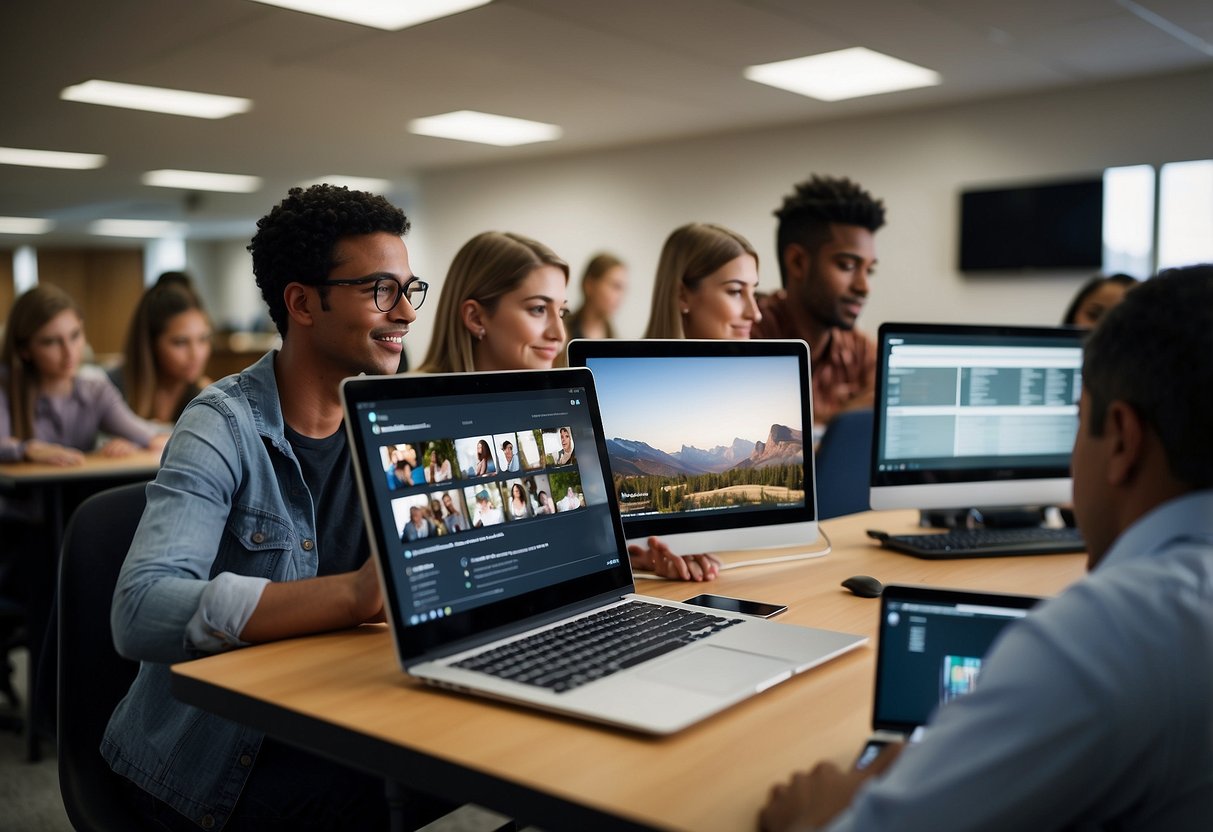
[
  {"x": 805, "y": 215},
  {"x": 294, "y": 242}
]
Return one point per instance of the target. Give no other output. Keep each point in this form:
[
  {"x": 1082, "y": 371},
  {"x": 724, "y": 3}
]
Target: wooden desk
[
  {"x": 343, "y": 694},
  {"x": 47, "y": 484}
]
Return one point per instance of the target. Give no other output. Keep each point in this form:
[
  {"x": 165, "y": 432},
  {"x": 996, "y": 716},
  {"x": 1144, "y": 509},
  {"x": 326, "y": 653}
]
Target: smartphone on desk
[{"x": 738, "y": 605}]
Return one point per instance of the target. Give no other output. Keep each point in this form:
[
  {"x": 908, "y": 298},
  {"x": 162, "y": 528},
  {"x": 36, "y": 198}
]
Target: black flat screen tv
[{"x": 1047, "y": 226}]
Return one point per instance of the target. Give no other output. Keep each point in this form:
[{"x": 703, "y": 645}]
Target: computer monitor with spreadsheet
[{"x": 971, "y": 416}]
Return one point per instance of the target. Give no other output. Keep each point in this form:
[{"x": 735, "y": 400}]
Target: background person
[
  {"x": 501, "y": 307},
  {"x": 1088, "y": 714},
  {"x": 167, "y": 347},
  {"x": 827, "y": 257},
  {"x": 705, "y": 285},
  {"x": 1095, "y": 297},
  {"x": 603, "y": 286},
  {"x": 48, "y": 411}
]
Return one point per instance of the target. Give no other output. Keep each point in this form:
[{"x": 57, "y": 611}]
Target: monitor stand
[{"x": 987, "y": 518}]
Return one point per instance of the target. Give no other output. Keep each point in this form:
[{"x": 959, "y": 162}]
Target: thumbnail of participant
[
  {"x": 487, "y": 501},
  {"x": 540, "y": 491},
  {"x": 566, "y": 487},
  {"x": 507, "y": 453},
  {"x": 436, "y": 458},
  {"x": 400, "y": 466},
  {"x": 412, "y": 522},
  {"x": 475, "y": 456},
  {"x": 558, "y": 446},
  {"x": 520, "y": 501},
  {"x": 454, "y": 514}
]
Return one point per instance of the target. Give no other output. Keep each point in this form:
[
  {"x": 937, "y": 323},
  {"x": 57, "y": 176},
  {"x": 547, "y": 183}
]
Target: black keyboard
[
  {"x": 596, "y": 646},
  {"x": 984, "y": 543}
]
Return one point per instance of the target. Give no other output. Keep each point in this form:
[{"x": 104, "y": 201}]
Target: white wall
[{"x": 628, "y": 200}]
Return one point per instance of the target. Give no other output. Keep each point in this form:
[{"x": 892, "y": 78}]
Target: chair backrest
[
  {"x": 842, "y": 465},
  {"x": 93, "y": 678}
]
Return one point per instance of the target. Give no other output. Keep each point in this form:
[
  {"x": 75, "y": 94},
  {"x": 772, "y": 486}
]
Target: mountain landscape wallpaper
[
  {"x": 744, "y": 447},
  {"x": 742, "y": 473}
]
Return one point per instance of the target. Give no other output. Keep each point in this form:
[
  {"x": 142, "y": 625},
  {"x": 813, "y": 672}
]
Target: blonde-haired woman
[
  {"x": 706, "y": 280},
  {"x": 603, "y": 285},
  {"x": 501, "y": 308}
]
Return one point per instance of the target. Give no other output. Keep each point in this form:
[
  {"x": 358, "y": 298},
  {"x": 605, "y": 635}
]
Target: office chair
[
  {"x": 92, "y": 676},
  {"x": 842, "y": 462},
  {"x": 12, "y": 636}
]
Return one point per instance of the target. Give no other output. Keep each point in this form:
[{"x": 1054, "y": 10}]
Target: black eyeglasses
[{"x": 389, "y": 290}]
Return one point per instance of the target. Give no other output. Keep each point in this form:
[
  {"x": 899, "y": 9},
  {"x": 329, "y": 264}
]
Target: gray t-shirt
[{"x": 326, "y": 470}]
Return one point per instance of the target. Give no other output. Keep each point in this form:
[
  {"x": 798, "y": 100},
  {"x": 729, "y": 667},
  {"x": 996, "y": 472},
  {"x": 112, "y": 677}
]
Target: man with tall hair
[
  {"x": 237, "y": 545},
  {"x": 1095, "y": 711},
  {"x": 827, "y": 253}
]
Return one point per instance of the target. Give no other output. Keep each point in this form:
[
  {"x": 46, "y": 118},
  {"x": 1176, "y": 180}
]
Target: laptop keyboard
[
  {"x": 594, "y": 647},
  {"x": 968, "y": 543}
]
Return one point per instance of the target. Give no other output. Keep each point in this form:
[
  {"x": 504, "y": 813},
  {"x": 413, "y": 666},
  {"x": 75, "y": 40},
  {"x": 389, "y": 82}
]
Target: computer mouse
[{"x": 865, "y": 586}]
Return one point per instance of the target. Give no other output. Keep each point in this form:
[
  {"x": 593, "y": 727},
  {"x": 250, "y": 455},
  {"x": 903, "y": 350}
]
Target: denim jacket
[{"x": 227, "y": 513}]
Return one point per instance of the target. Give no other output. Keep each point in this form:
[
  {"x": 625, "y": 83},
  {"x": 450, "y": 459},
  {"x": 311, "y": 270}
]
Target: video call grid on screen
[
  {"x": 484, "y": 498},
  {"x": 953, "y": 401},
  {"x": 704, "y": 441},
  {"x": 930, "y": 653}
]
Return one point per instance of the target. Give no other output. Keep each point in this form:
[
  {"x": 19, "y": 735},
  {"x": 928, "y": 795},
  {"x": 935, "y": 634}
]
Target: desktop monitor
[
  {"x": 706, "y": 440},
  {"x": 974, "y": 416}
]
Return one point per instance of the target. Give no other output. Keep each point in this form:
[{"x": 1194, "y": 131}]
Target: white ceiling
[{"x": 334, "y": 98}]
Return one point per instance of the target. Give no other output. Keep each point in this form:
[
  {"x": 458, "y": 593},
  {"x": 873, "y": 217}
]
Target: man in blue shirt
[
  {"x": 230, "y": 552},
  {"x": 1096, "y": 711}
]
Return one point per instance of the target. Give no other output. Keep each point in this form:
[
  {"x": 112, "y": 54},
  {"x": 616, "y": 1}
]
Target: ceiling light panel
[
  {"x": 195, "y": 180},
  {"x": 392, "y": 15},
  {"x": 24, "y": 225},
  {"x": 847, "y": 73},
  {"x": 145, "y": 229},
  {"x": 156, "y": 99},
  {"x": 485, "y": 128},
  {"x": 50, "y": 159}
]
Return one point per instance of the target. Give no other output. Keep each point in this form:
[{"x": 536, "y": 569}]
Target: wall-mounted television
[{"x": 1057, "y": 225}]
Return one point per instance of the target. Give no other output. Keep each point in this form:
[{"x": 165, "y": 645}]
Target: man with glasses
[{"x": 238, "y": 544}]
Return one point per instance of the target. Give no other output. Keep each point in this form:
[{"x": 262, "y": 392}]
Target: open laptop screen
[
  {"x": 932, "y": 645},
  {"x": 486, "y": 494},
  {"x": 706, "y": 439}
]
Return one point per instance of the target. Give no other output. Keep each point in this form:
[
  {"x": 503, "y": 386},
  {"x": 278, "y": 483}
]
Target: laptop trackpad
[{"x": 717, "y": 670}]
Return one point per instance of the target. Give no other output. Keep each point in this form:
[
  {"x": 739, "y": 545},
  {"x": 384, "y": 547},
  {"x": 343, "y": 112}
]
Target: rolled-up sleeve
[{"x": 167, "y": 606}]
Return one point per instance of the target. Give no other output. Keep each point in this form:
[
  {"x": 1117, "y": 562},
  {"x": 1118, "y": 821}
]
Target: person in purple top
[{"x": 49, "y": 412}]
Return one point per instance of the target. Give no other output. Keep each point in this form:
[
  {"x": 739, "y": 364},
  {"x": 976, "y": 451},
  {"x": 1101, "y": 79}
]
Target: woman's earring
[
  {"x": 480, "y": 335},
  {"x": 686, "y": 311}
]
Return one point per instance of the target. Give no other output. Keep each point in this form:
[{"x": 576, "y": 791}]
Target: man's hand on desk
[
  {"x": 368, "y": 598},
  {"x": 51, "y": 454},
  {"x": 811, "y": 799},
  {"x": 658, "y": 559}
]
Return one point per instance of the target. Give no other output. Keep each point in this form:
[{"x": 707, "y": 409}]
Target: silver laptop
[
  {"x": 499, "y": 544},
  {"x": 931, "y": 647}
]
